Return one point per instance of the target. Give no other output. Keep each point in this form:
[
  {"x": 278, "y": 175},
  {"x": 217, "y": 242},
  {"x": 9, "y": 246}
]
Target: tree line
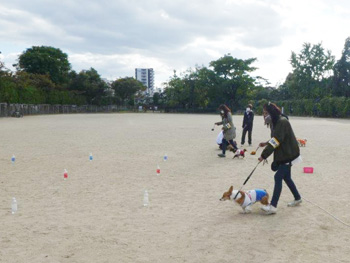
[
  {"x": 317, "y": 86},
  {"x": 44, "y": 76}
]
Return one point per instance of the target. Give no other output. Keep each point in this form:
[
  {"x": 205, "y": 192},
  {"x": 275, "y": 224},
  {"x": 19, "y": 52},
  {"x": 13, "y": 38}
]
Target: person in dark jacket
[
  {"x": 247, "y": 124},
  {"x": 286, "y": 152}
]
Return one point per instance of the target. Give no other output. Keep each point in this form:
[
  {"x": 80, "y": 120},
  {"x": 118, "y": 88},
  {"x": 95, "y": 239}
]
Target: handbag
[{"x": 274, "y": 166}]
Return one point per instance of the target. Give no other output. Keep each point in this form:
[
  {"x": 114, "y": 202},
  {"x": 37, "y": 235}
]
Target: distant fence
[{"x": 9, "y": 110}]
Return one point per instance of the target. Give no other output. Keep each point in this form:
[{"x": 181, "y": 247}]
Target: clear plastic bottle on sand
[
  {"x": 145, "y": 198},
  {"x": 13, "y": 158},
  {"x": 158, "y": 170},
  {"x": 14, "y": 205},
  {"x": 90, "y": 157},
  {"x": 165, "y": 158}
]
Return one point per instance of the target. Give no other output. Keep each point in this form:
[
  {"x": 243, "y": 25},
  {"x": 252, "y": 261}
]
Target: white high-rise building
[{"x": 146, "y": 76}]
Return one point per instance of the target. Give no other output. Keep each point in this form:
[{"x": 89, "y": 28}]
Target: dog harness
[
  {"x": 251, "y": 197},
  {"x": 240, "y": 152}
]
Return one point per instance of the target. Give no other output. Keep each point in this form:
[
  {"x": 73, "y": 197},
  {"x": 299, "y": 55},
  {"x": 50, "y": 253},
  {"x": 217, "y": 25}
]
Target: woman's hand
[{"x": 260, "y": 159}]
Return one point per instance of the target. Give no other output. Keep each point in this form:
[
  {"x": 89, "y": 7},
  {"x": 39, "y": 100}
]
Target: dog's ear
[{"x": 231, "y": 189}]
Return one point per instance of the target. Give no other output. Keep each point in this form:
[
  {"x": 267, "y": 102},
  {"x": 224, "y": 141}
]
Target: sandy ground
[{"x": 97, "y": 215}]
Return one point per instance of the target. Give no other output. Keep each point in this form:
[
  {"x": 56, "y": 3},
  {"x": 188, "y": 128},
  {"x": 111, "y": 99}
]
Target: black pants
[
  {"x": 245, "y": 130},
  {"x": 225, "y": 143},
  {"x": 283, "y": 174}
]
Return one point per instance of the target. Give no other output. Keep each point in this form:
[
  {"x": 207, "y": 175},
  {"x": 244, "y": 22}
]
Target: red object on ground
[{"x": 308, "y": 170}]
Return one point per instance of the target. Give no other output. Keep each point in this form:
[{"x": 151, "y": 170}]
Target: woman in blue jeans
[
  {"x": 285, "y": 148},
  {"x": 283, "y": 174}
]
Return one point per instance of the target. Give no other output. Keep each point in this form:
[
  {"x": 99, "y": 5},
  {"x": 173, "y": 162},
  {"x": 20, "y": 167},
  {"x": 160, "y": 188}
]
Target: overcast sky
[{"x": 115, "y": 37}]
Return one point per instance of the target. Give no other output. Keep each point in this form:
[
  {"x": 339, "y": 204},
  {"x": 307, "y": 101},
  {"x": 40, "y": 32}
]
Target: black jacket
[
  {"x": 283, "y": 143},
  {"x": 248, "y": 120}
]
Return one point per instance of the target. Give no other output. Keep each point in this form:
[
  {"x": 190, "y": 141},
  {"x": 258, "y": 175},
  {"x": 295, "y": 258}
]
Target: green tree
[
  {"x": 8, "y": 90},
  {"x": 233, "y": 79},
  {"x": 228, "y": 82},
  {"x": 45, "y": 61},
  {"x": 41, "y": 82},
  {"x": 341, "y": 70},
  {"x": 205, "y": 80},
  {"x": 126, "y": 89},
  {"x": 176, "y": 92},
  {"x": 156, "y": 98},
  {"x": 89, "y": 84},
  {"x": 2, "y": 67},
  {"x": 194, "y": 87},
  {"x": 33, "y": 88},
  {"x": 311, "y": 72}
]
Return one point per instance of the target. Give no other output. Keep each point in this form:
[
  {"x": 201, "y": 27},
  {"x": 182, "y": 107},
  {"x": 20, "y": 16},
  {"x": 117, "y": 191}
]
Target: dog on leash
[
  {"x": 302, "y": 142},
  {"x": 239, "y": 153},
  {"x": 246, "y": 199}
]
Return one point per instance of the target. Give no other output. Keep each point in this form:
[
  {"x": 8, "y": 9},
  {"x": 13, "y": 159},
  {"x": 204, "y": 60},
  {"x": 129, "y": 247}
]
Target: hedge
[{"x": 333, "y": 107}]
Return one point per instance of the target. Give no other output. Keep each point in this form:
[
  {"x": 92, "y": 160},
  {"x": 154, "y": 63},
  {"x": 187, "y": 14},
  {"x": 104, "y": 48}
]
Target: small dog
[
  {"x": 302, "y": 142},
  {"x": 239, "y": 153},
  {"x": 246, "y": 199}
]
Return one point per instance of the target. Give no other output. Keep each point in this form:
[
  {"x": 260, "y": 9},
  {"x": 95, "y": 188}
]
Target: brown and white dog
[
  {"x": 239, "y": 153},
  {"x": 302, "y": 142},
  {"x": 246, "y": 199}
]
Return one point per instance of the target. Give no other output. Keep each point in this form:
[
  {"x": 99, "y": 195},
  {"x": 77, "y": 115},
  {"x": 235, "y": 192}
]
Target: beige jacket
[{"x": 229, "y": 129}]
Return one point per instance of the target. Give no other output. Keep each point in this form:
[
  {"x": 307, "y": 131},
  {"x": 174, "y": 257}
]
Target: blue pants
[{"x": 283, "y": 173}]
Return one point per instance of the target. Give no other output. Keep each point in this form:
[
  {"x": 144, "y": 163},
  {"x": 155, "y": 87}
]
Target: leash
[
  {"x": 327, "y": 212},
  {"x": 246, "y": 180}
]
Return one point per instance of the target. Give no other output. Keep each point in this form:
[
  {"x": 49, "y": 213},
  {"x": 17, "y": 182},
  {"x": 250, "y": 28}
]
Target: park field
[{"x": 97, "y": 214}]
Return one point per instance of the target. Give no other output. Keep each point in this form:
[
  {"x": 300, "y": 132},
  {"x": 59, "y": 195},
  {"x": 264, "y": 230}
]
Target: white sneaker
[
  {"x": 247, "y": 210},
  {"x": 269, "y": 209},
  {"x": 294, "y": 203}
]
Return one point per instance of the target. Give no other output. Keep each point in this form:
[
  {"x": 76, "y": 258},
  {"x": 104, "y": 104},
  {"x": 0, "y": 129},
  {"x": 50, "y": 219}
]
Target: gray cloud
[
  {"x": 105, "y": 27},
  {"x": 117, "y": 36}
]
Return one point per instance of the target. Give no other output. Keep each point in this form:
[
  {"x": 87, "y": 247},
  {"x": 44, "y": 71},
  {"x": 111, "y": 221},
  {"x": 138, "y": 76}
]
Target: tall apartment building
[{"x": 146, "y": 76}]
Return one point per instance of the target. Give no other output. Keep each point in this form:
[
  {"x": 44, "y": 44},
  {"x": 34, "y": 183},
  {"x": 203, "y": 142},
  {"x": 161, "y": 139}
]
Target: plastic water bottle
[
  {"x": 90, "y": 157},
  {"x": 13, "y": 159},
  {"x": 145, "y": 198},
  {"x": 14, "y": 205},
  {"x": 65, "y": 174},
  {"x": 158, "y": 170},
  {"x": 165, "y": 158}
]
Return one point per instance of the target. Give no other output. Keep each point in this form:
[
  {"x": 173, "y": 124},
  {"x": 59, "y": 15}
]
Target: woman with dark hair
[
  {"x": 286, "y": 153},
  {"x": 228, "y": 128}
]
